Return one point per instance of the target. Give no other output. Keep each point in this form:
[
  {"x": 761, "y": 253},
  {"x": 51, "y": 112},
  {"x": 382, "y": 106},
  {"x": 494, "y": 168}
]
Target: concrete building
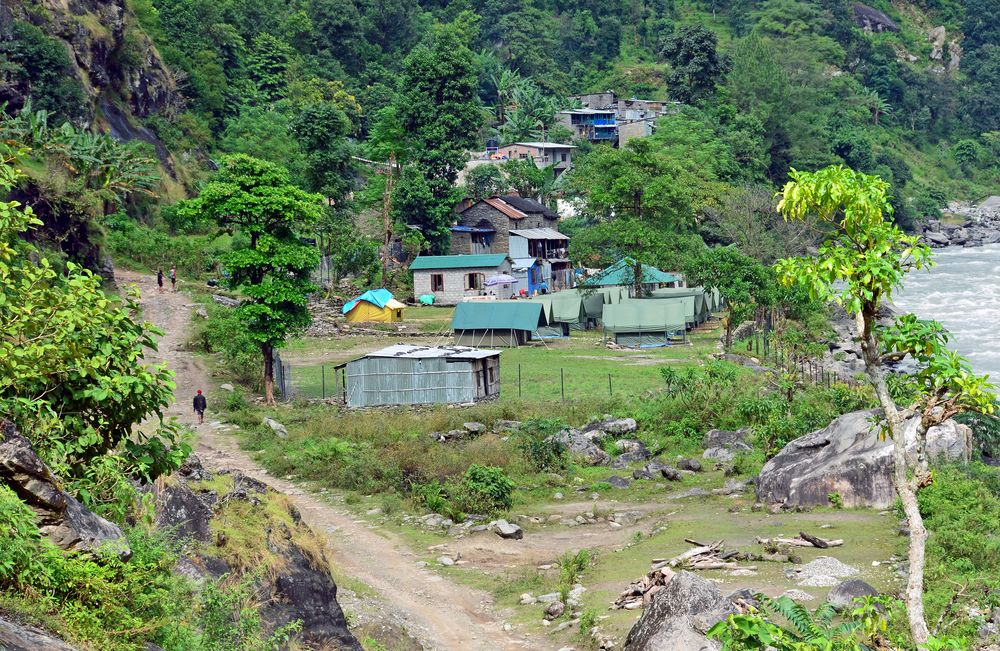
[
  {"x": 559, "y": 156},
  {"x": 633, "y": 118},
  {"x": 451, "y": 278},
  {"x": 595, "y": 125},
  {"x": 420, "y": 375}
]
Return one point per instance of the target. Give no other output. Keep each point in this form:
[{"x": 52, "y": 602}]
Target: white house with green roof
[{"x": 451, "y": 278}]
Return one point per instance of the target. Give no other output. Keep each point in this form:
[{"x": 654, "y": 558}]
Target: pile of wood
[
  {"x": 710, "y": 556},
  {"x": 804, "y": 540}
]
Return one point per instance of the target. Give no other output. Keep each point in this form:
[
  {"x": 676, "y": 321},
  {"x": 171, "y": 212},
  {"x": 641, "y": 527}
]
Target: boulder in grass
[
  {"x": 842, "y": 595},
  {"x": 508, "y": 531},
  {"x": 679, "y": 615},
  {"x": 849, "y": 457}
]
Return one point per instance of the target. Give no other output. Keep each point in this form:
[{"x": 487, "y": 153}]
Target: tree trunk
[
  {"x": 638, "y": 280},
  {"x": 906, "y": 487},
  {"x": 268, "y": 351},
  {"x": 729, "y": 331}
]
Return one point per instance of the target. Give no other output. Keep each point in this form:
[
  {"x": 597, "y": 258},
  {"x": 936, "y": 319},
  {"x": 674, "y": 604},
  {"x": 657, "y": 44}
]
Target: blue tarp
[{"x": 377, "y": 297}]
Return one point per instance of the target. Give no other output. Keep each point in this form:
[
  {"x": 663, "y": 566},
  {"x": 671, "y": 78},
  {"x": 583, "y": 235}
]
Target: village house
[
  {"x": 595, "y": 125},
  {"x": 525, "y": 230},
  {"x": 544, "y": 154},
  {"x": 451, "y": 278},
  {"x": 631, "y": 118}
]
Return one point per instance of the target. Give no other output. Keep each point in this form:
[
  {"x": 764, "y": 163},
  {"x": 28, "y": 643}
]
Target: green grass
[{"x": 575, "y": 368}]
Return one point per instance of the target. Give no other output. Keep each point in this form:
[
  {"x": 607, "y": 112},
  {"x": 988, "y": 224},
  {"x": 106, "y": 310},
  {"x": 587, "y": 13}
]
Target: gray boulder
[
  {"x": 474, "y": 428},
  {"x": 679, "y": 616},
  {"x": 613, "y": 426},
  {"x": 849, "y": 457},
  {"x": 842, "y": 595},
  {"x": 276, "y": 427},
  {"x": 617, "y": 481},
  {"x": 689, "y": 464},
  {"x": 15, "y": 637},
  {"x": 585, "y": 444},
  {"x": 723, "y": 445},
  {"x": 508, "y": 531},
  {"x": 225, "y": 300},
  {"x": 670, "y": 474},
  {"x": 60, "y": 517}
]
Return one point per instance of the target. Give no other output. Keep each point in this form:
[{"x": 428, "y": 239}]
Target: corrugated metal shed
[
  {"x": 480, "y": 261},
  {"x": 411, "y": 375}
]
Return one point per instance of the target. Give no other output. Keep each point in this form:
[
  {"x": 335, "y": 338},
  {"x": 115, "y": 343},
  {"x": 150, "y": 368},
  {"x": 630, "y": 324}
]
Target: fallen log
[
  {"x": 796, "y": 542},
  {"x": 816, "y": 542}
]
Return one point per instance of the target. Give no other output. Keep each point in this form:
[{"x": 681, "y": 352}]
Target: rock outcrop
[
  {"x": 59, "y": 515},
  {"x": 871, "y": 19},
  {"x": 17, "y": 637},
  {"x": 981, "y": 226},
  {"x": 296, "y": 586},
  {"x": 850, "y": 458},
  {"x": 679, "y": 616},
  {"x": 586, "y": 441}
]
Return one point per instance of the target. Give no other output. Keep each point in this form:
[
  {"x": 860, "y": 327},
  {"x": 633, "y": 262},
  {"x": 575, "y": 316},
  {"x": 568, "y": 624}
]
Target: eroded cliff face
[{"x": 114, "y": 61}]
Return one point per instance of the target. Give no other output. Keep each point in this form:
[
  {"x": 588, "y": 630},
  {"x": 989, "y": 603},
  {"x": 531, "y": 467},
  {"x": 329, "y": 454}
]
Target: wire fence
[{"x": 796, "y": 359}]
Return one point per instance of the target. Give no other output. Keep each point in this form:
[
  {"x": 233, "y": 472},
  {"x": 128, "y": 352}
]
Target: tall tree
[
  {"x": 272, "y": 271},
  {"x": 634, "y": 200},
  {"x": 695, "y": 63},
  {"x": 859, "y": 267},
  {"x": 439, "y": 111}
]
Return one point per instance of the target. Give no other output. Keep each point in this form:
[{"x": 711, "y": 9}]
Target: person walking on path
[
  {"x": 159, "y": 279},
  {"x": 173, "y": 278},
  {"x": 199, "y": 406}
]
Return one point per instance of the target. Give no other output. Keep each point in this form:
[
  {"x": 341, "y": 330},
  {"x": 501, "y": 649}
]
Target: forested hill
[{"x": 909, "y": 90}]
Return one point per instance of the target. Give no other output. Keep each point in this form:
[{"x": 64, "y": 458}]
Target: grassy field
[{"x": 579, "y": 367}]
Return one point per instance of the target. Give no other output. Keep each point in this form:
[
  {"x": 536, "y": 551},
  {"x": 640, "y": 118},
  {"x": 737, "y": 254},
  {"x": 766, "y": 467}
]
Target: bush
[{"x": 486, "y": 490}]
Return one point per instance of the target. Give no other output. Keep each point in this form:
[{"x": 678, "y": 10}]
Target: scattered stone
[
  {"x": 743, "y": 572},
  {"x": 670, "y": 474},
  {"x": 731, "y": 487},
  {"x": 548, "y": 598},
  {"x": 506, "y": 425},
  {"x": 554, "y": 610},
  {"x": 618, "y": 482},
  {"x": 689, "y": 464},
  {"x": 276, "y": 427},
  {"x": 557, "y": 496},
  {"x": 595, "y": 496},
  {"x": 227, "y": 387},
  {"x": 225, "y": 300},
  {"x": 639, "y": 473},
  {"x": 508, "y": 531},
  {"x": 626, "y": 518},
  {"x": 445, "y": 561},
  {"x": 202, "y": 312},
  {"x": 798, "y": 595},
  {"x": 422, "y": 564},
  {"x": 844, "y": 593},
  {"x": 474, "y": 428},
  {"x": 527, "y": 599}
]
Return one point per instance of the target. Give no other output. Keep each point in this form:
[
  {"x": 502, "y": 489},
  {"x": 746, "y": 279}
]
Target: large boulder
[
  {"x": 585, "y": 444},
  {"x": 16, "y": 637},
  {"x": 679, "y": 616},
  {"x": 724, "y": 445},
  {"x": 60, "y": 517},
  {"x": 842, "y": 595},
  {"x": 849, "y": 457}
]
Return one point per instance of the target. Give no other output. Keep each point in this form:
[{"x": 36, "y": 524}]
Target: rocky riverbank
[{"x": 981, "y": 225}]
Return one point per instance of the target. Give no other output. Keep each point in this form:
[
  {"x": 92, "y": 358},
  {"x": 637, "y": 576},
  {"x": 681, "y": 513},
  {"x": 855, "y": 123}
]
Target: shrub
[{"x": 485, "y": 490}]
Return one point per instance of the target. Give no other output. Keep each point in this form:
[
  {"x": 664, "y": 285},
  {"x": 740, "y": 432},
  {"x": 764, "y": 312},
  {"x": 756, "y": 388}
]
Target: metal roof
[
  {"x": 499, "y": 315},
  {"x": 539, "y": 233},
  {"x": 545, "y": 145},
  {"x": 588, "y": 111},
  {"x": 472, "y": 229},
  {"x": 620, "y": 273},
  {"x": 524, "y": 263},
  {"x": 426, "y": 352},
  {"x": 458, "y": 261}
]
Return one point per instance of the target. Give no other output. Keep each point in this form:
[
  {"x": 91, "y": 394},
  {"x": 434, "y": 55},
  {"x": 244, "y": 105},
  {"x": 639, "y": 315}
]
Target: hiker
[
  {"x": 173, "y": 278},
  {"x": 159, "y": 279},
  {"x": 199, "y": 406}
]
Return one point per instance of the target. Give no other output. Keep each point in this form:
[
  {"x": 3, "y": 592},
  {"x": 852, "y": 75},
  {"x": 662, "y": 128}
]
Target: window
[
  {"x": 563, "y": 157},
  {"x": 522, "y": 156},
  {"x": 474, "y": 281},
  {"x": 492, "y": 374},
  {"x": 437, "y": 282}
]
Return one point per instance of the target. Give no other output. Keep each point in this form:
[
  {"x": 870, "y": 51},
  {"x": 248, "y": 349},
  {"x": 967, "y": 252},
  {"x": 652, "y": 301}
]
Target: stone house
[
  {"x": 451, "y": 278},
  {"x": 559, "y": 156},
  {"x": 485, "y": 226}
]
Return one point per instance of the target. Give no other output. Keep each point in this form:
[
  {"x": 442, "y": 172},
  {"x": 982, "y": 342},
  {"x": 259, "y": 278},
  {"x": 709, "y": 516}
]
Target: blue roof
[{"x": 377, "y": 297}]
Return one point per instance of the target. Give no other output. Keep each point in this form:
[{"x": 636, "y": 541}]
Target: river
[{"x": 962, "y": 292}]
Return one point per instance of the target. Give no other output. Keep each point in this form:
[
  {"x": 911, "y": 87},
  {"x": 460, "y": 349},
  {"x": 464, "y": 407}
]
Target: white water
[{"x": 962, "y": 292}]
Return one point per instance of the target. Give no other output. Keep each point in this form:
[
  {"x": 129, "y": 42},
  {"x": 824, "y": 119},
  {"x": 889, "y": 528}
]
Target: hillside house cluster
[
  {"x": 544, "y": 154},
  {"x": 606, "y": 117},
  {"x": 497, "y": 236}
]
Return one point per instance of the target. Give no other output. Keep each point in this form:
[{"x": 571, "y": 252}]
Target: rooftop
[
  {"x": 458, "y": 261},
  {"x": 427, "y": 352},
  {"x": 498, "y": 315},
  {"x": 539, "y": 234},
  {"x": 545, "y": 145}
]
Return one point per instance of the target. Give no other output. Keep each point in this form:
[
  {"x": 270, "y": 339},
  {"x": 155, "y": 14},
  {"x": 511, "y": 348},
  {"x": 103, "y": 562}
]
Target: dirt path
[{"x": 439, "y": 613}]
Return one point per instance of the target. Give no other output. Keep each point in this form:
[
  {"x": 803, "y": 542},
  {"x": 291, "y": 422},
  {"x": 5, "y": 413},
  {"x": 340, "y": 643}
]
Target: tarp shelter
[
  {"x": 374, "y": 305},
  {"x": 645, "y": 322},
  {"x": 417, "y": 375},
  {"x": 497, "y": 323},
  {"x": 564, "y": 310},
  {"x": 702, "y": 308},
  {"x": 622, "y": 273}
]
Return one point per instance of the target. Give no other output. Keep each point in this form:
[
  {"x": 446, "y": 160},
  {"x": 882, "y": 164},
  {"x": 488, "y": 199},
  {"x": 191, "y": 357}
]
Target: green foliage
[
  {"x": 836, "y": 501},
  {"x": 486, "y": 490},
  {"x": 485, "y": 181},
  {"x": 39, "y": 64},
  {"x": 695, "y": 64},
  {"x": 71, "y": 372}
]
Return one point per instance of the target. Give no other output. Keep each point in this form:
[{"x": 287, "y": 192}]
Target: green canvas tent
[
  {"x": 645, "y": 322},
  {"x": 566, "y": 311},
  {"x": 702, "y": 308},
  {"x": 497, "y": 323},
  {"x": 621, "y": 273}
]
